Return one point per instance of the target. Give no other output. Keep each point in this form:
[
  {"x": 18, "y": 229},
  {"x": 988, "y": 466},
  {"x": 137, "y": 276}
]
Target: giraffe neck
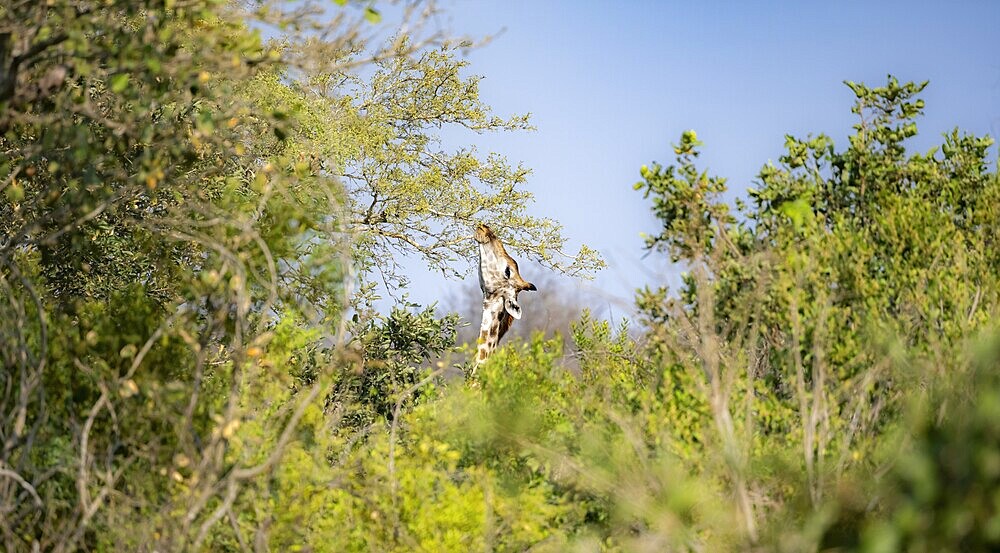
[{"x": 495, "y": 324}]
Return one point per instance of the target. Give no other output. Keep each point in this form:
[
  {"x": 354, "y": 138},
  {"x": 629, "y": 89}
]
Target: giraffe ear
[{"x": 512, "y": 308}]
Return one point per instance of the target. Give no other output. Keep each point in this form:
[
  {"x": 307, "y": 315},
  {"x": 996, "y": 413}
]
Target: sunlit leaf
[{"x": 119, "y": 82}]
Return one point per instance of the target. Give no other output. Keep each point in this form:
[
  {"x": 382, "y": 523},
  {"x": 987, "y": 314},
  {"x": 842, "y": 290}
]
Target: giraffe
[{"x": 500, "y": 282}]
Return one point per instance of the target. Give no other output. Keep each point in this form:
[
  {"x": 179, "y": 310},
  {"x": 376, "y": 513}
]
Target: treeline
[{"x": 192, "y": 223}]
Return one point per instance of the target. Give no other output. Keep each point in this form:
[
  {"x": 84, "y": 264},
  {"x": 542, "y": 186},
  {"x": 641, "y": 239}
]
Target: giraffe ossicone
[{"x": 500, "y": 282}]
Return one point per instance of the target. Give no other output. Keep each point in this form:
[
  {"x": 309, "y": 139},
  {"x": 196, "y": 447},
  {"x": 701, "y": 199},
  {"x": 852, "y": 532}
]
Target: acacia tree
[{"x": 407, "y": 193}]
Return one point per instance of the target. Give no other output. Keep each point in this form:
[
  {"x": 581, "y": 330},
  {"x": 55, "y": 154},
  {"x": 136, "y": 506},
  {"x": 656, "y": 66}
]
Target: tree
[
  {"x": 142, "y": 259},
  {"x": 410, "y": 195},
  {"x": 839, "y": 259}
]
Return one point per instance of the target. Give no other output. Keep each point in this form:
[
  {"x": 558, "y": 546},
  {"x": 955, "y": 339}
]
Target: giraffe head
[{"x": 498, "y": 274}]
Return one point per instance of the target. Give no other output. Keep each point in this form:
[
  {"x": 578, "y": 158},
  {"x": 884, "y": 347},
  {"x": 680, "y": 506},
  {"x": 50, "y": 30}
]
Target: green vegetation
[{"x": 192, "y": 223}]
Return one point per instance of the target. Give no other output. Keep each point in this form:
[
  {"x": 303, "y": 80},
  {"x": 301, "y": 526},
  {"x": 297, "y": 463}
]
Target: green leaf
[
  {"x": 798, "y": 211},
  {"x": 14, "y": 193},
  {"x": 372, "y": 15},
  {"x": 205, "y": 122},
  {"x": 119, "y": 82}
]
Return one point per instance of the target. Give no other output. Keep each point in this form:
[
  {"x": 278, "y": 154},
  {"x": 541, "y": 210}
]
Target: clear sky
[{"x": 611, "y": 84}]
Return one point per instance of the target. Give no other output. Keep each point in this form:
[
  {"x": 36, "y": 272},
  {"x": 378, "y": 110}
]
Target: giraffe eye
[{"x": 506, "y": 272}]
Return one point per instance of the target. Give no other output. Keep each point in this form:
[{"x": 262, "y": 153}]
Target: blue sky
[{"x": 611, "y": 85}]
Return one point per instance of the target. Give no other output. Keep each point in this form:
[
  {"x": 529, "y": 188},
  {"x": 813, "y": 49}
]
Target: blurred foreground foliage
[{"x": 192, "y": 218}]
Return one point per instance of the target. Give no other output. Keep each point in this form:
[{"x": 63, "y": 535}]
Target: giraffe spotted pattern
[{"x": 500, "y": 281}]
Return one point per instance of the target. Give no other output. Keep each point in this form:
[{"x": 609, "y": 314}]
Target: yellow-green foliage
[{"x": 191, "y": 222}]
